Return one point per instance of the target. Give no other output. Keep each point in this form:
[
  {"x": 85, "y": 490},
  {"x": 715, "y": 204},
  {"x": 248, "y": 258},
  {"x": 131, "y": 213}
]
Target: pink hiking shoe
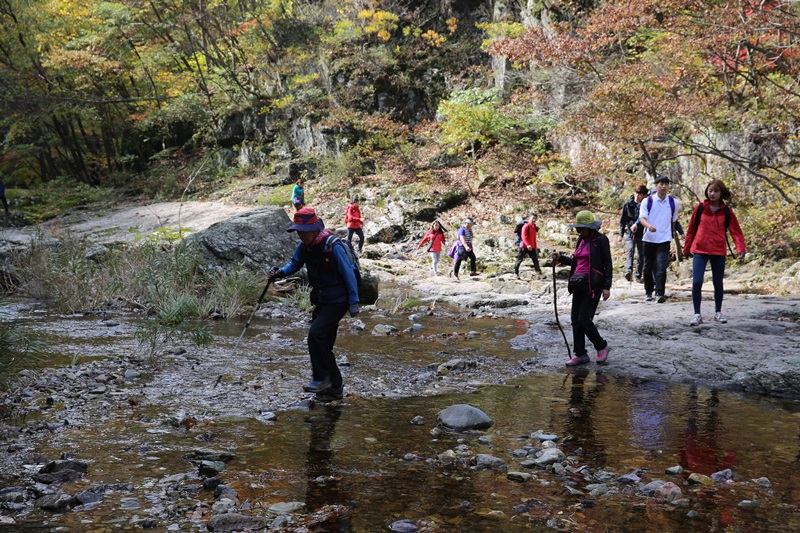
[
  {"x": 602, "y": 355},
  {"x": 578, "y": 360}
]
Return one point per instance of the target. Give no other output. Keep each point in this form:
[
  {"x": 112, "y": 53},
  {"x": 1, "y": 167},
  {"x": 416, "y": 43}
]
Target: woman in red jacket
[
  {"x": 352, "y": 219},
  {"x": 436, "y": 237},
  {"x": 706, "y": 241}
]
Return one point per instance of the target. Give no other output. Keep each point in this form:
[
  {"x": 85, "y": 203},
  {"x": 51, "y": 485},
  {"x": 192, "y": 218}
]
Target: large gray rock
[
  {"x": 257, "y": 238},
  {"x": 237, "y": 522},
  {"x": 462, "y": 417}
]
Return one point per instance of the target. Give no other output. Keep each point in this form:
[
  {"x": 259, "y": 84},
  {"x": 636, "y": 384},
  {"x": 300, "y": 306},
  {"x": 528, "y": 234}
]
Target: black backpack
[
  {"x": 518, "y": 232},
  {"x": 352, "y": 257},
  {"x": 699, "y": 212}
]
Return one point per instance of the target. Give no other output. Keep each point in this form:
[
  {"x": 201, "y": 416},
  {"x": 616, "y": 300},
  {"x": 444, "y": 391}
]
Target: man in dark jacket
[
  {"x": 632, "y": 232},
  {"x": 334, "y": 292}
]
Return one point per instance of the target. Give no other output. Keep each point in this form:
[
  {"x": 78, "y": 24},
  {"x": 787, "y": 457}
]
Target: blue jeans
[
  {"x": 656, "y": 260},
  {"x": 699, "y": 262}
]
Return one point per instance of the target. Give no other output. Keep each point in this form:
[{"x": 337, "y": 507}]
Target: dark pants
[
  {"x": 461, "y": 257},
  {"x": 360, "y": 233},
  {"x": 533, "y": 254},
  {"x": 321, "y": 338},
  {"x": 699, "y": 262},
  {"x": 584, "y": 306},
  {"x": 633, "y": 246},
  {"x": 5, "y": 202},
  {"x": 656, "y": 260}
]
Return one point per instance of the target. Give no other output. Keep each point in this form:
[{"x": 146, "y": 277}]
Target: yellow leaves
[
  {"x": 433, "y": 38},
  {"x": 452, "y": 25},
  {"x": 380, "y": 23},
  {"x": 297, "y": 81}
]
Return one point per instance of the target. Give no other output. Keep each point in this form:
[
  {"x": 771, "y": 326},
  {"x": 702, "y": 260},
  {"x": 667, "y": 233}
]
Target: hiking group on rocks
[{"x": 647, "y": 223}]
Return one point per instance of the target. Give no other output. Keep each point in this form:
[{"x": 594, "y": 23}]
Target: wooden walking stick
[{"x": 555, "y": 308}]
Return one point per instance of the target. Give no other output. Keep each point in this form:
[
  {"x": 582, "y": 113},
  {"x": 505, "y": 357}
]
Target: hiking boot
[
  {"x": 455, "y": 277},
  {"x": 696, "y": 320},
  {"x": 660, "y": 298},
  {"x": 319, "y": 386},
  {"x": 628, "y": 276},
  {"x": 602, "y": 355},
  {"x": 578, "y": 360},
  {"x": 719, "y": 317},
  {"x": 639, "y": 279},
  {"x": 648, "y": 298},
  {"x": 330, "y": 395},
  {"x": 473, "y": 273}
]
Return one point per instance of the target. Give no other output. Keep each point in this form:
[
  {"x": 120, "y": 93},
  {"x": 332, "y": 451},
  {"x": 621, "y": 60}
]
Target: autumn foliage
[{"x": 662, "y": 78}]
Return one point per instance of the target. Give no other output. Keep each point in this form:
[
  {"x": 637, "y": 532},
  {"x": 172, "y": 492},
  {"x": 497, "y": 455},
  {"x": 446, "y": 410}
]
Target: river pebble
[
  {"x": 462, "y": 417},
  {"x": 404, "y": 526}
]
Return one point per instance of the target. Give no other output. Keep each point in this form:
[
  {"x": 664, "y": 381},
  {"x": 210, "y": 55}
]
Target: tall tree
[{"x": 666, "y": 77}]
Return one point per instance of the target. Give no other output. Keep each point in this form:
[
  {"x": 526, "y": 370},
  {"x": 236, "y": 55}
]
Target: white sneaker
[
  {"x": 719, "y": 317},
  {"x": 696, "y": 320}
]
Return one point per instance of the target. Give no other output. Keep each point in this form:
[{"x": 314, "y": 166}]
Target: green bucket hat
[{"x": 585, "y": 219}]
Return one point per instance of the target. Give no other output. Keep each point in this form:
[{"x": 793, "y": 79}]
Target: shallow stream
[{"x": 365, "y": 454}]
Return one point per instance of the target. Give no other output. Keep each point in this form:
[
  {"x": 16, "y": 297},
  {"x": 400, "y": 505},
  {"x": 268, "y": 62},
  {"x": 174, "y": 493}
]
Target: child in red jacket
[
  {"x": 706, "y": 240},
  {"x": 436, "y": 237}
]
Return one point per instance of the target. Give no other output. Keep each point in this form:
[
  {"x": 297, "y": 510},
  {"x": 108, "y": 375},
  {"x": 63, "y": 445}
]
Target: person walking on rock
[
  {"x": 657, "y": 214},
  {"x": 435, "y": 236},
  {"x": 590, "y": 276},
  {"x": 632, "y": 232},
  {"x": 527, "y": 246},
  {"x": 465, "y": 250},
  {"x": 706, "y": 240},
  {"x": 354, "y": 223},
  {"x": 334, "y": 292},
  {"x": 299, "y": 194}
]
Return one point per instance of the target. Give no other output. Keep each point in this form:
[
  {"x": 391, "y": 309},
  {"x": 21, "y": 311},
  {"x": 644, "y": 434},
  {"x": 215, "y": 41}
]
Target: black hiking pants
[
  {"x": 321, "y": 338},
  {"x": 533, "y": 254},
  {"x": 584, "y": 306}
]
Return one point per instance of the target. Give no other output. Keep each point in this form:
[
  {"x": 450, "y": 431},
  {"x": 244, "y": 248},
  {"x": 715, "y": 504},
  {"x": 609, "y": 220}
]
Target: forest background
[{"x": 554, "y": 104}]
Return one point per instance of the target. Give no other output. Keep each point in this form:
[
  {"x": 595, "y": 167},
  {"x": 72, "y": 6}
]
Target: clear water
[{"x": 354, "y": 454}]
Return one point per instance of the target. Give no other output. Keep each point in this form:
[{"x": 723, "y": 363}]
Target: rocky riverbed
[{"x": 455, "y": 343}]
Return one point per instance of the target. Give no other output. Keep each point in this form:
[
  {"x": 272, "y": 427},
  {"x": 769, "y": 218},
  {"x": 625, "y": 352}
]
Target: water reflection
[
  {"x": 581, "y": 416},
  {"x": 648, "y": 414},
  {"x": 324, "y": 485},
  {"x": 700, "y": 450}
]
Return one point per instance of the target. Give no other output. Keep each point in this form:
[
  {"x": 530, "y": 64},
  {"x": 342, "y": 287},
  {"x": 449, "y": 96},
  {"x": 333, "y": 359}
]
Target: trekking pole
[
  {"x": 555, "y": 308},
  {"x": 260, "y": 298}
]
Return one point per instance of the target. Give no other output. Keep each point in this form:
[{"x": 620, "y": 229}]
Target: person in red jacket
[
  {"x": 528, "y": 246},
  {"x": 352, "y": 219},
  {"x": 706, "y": 241},
  {"x": 435, "y": 235}
]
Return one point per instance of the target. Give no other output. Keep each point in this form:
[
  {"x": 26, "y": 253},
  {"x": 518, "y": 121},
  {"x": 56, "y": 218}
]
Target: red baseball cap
[{"x": 306, "y": 219}]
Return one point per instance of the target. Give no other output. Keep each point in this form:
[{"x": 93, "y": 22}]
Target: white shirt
[{"x": 660, "y": 216}]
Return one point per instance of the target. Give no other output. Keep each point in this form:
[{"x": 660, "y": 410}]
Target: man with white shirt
[{"x": 657, "y": 214}]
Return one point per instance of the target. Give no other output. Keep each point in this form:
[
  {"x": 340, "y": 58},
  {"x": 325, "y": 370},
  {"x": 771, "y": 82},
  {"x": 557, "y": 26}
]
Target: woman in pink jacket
[
  {"x": 352, "y": 219},
  {"x": 706, "y": 241},
  {"x": 435, "y": 236}
]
